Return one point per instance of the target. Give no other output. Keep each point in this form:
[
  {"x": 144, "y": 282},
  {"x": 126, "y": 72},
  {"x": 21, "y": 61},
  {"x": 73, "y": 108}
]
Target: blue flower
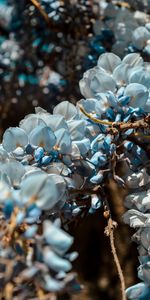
[
  {"x": 13, "y": 138},
  {"x": 138, "y": 292},
  {"x": 42, "y": 136},
  {"x": 43, "y": 190}
]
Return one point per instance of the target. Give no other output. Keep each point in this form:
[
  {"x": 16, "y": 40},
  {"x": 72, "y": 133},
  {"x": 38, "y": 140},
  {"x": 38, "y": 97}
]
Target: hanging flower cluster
[{"x": 59, "y": 164}]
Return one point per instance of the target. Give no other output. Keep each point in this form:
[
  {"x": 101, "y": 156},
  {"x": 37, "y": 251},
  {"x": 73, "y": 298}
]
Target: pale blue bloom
[
  {"x": 43, "y": 190},
  {"x": 14, "y": 170},
  {"x": 30, "y": 122},
  {"x": 140, "y": 37},
  {"x": 59, "y": 240},
  {"x": 42, "y": 136},
  {"x": 14, "y": 137},
  {"x": 138, "y": 94},
  {"x": 140, "y": 291},
  {"x": 76, "y": 129},
  {"x": 95, "y": 81},
  {"x": 67, "y": 110},
  {"x": 83, "y": 145},
  {"x": 108, "y": 61},
  {"x": 63, "y": 141},
  {"x": 55, "y": 262}
]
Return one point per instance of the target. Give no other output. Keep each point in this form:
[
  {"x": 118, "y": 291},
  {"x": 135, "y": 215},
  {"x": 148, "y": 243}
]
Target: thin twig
[
  {"x": 143, "y": 123},
  {"x": 93, "y": 118},
  {"x": 109, "y": 231}
]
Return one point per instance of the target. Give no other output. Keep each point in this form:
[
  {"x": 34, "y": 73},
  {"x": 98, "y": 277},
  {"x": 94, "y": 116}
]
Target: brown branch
[
  {"x": 143, "y": 123},
  {"x": 41, "y": 10}
]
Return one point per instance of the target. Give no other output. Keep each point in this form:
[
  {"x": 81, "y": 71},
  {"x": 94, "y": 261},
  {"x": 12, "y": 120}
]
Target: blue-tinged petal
[
  {"x": 32, "y": 214},
  {"x": 83, "y": 145},
  {"x": 118, "y": 118},
  {"x": 51, "y": 284},
  {"x": 97, "y": 143},
  {"x": 76, "y": 129},
  {"x": 42, "y": 137},
  {"x": 145, "y": 241},
  {"x": 120, "y": 92},
  {"x": 14, "y": 170},
  {"x": 56, "y": 237},
  {"x": 66, "y": 159},
  {"x": 146, "y": 269},
  {"x": 66, "y": 109},
  {"x": 43, "y": 190},
  {"x": 95, "y": 81},
  {"x": 30, "y": 272},
  {"x": 126, "y": 119},
  {"x": 90, "y": 106},
  {"x": 60, "y": 275},
  {"x": 3, "y": 154},
  {"x": 4, "y": 178},
  {"x": 133, "y": 59},
  {"x": 112, "y": 99},
  {"x": 14, "y": 137},
  {"x": 128, "y": 132},
  {"x": 5, "y": 192},
  {"x": 107, "y": 142},
  {"x": 76, "y": 211},
  {"x": 31, "y": 231},
  {"x": 55, "y": 121},
  {"x": 135, "y": 292},
  {"x": 8, "y": 208},
  {"x": 84, "y": 84},
  {"x": 96, "y": 179},
  {"x": 139, "y": 37},
  {"x": 135, "y": 218},
  {"x": 55, "y": 262},
  {"x": 104, "y": 102},
  {"x": 95, "y": 201},
  {"x": 147, "y": 25},
  {"x": 38, "y": 153},
  {"x": 46, "y": 160},
  {"x": 147, "y": 106},
  {"x": 102, "y": 82},
  {"x": 140, "y": 76},
  {"x": 138, "y": 93},
  {"x": 30, "y": 122},
  {"x": 29, "y": 149},
  {"x": 128, "y": 145},
  {"x": 112, "y": 148},
  {"x": 120, "y": 74},
  {"x": 124, "y": 100},
  {"x": 63, "y": 141},
  {"x": 20, "y": 217},
  {"x": 18, "y": 152},
  {"x": 108, "y": 61},
  {"x": 72, "y": 256}
]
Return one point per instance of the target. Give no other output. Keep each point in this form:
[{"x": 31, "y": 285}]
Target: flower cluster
[
  {"x": 118, "y": 92},
  {"x": 33, "y": 255},
  {"x": 121, "y": 21},
  {"x": 141, "y": 39},
  {"x": 58, "y": 164}
]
